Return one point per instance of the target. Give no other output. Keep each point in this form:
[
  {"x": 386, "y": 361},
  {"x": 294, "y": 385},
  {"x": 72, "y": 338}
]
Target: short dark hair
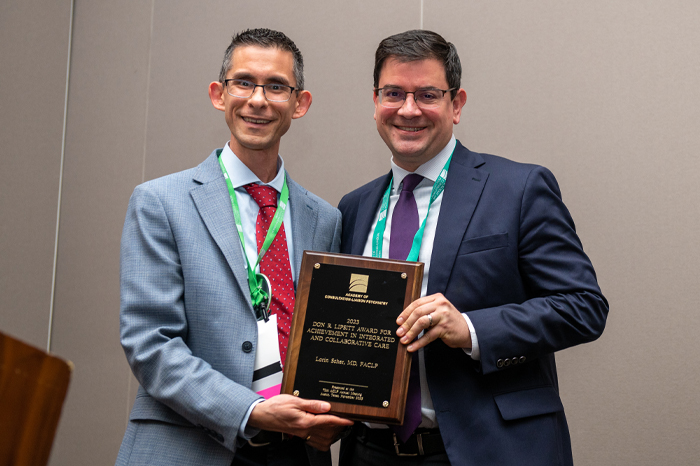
[
  {"x": 266, "y": 38},
  {"x": 420, "y": 45}
]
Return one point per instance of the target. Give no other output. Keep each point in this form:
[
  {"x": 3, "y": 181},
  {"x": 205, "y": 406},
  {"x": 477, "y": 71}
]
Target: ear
[
  {"x": 376, "y": 104},
  {"x": 457, "y": 104},
  {"x": 216, "y": 94},
  {"x": 302, "y": 104}
]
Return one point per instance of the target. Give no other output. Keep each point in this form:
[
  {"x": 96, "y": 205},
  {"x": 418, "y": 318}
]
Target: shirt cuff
[
  {"x": 244, "y": 431},
  {"x": 472, "y": 352}
]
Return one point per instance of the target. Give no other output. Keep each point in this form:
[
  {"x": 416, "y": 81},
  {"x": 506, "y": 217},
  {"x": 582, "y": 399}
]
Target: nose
[
  {"x": 258, "y": 98},
  {"x": 410, "y": 108}
]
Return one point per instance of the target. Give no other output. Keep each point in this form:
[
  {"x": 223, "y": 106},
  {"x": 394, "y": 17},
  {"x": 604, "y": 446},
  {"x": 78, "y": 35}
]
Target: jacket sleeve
[
  {"x": 563, "y": 305},
  {"x": 154, "y": 328}
]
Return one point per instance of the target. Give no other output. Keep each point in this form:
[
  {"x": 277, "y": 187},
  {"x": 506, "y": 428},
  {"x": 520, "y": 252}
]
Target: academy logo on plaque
[{"x": 358, "y": 283}]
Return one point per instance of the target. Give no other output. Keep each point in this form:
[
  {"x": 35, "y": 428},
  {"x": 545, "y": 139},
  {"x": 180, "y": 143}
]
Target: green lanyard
[
  {"x": 258, "y": 282},
  {"x": 378, "y": 236}
]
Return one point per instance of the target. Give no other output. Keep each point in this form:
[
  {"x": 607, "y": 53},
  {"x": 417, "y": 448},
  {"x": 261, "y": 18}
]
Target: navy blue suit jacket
[{"x": 506, "y": 253}]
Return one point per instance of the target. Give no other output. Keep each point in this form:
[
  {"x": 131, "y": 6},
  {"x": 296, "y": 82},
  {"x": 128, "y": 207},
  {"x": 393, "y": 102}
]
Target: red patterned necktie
[
  {"x": 404, "y": 225},
  {"x": 275, "y": 262}
]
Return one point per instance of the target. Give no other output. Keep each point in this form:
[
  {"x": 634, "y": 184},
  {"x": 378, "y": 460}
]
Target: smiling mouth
[
  {"x": 255, "y": 120},
  {"x": 411, "y": 129}
]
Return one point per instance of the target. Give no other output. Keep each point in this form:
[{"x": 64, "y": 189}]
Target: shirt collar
[
  {"x": 240, "y": 175},
  {"x": 430, "y": 169}
]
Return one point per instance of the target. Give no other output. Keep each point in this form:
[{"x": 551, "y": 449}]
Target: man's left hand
[{"x": 436, "y": 316}]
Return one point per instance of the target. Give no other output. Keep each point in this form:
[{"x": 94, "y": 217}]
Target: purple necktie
[{"x": 404, "y": 225}]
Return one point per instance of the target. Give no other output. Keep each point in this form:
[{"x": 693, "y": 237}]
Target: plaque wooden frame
[{"x": 393, "y": 413}]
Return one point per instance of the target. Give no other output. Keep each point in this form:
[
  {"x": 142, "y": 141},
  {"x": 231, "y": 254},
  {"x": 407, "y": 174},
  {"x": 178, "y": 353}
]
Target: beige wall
[{"x": 604, "y": 93}]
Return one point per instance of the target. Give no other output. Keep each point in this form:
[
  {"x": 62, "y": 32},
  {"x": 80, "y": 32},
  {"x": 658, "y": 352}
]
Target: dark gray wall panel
[
  {"x": 33, "y": 59},
  {"x": 104, "y": 156}
]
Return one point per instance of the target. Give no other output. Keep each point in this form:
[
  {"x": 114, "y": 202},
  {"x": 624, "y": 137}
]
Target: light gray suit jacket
[{"x": 187, "y": 323}]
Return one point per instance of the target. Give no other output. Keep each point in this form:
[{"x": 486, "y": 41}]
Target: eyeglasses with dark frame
[
  {"x": 394, "y": 97},
  {"x": 273, "y": 92}
]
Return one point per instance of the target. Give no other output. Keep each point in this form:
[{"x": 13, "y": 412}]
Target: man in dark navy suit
[{"x": 506, "y": 282}]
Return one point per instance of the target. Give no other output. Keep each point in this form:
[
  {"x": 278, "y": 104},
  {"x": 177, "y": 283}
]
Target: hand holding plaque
[{"x": 343, "y": 347}]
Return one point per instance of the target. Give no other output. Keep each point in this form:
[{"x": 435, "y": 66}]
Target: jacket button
[
  {"x": 514, "y": 361},
  {"x": 247, "y": 346},
  {"x": 522, "y": 359},
  {"x": 499, "y": 363}
]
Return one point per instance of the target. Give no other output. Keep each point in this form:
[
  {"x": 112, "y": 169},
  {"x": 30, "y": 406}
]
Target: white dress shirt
[
  {"x": 240, "y": 175},
  {"x": 430, "y": 171}
]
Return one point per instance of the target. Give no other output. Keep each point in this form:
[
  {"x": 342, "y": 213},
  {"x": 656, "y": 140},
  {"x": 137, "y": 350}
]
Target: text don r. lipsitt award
[{"x": 343, "y": 346}]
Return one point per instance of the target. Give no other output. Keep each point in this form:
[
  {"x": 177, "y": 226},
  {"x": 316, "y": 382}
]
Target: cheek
[
  {"x": 382, "y": 116},
  {"x": 230, "y": 110},
  {"x": 284, "y": 123}
]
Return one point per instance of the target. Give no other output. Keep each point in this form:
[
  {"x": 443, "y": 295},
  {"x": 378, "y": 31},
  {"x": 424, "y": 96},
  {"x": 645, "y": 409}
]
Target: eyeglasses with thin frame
[
  {"x": 394, "y": 97},
  {"x": 245, "y": 89}
]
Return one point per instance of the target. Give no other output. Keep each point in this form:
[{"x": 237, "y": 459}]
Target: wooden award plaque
[{"x": 343, "y": 346}]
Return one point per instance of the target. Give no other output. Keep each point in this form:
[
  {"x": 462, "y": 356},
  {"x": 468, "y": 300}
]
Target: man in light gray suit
[{"x": 189, "y": 326}]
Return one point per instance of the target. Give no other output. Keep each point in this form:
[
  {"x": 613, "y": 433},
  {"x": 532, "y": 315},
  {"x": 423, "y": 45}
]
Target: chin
[{"x": 410, "y": 153}]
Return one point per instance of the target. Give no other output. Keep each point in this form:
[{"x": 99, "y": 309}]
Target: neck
[
  {"x": 411, "y": 164},
  {"x": 266, "y": 172},
  {"x": 409, "y": 167},
  {"x": 263, "y": 163}
]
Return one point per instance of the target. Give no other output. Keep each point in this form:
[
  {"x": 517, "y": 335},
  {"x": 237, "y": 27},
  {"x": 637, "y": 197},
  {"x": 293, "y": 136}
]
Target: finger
[
  {"x": 313, "y": 406},
  {"x": 418, "y": 322},
  {"x": 406, "y": 312},
  {"x": 411, "y": 308},
  {"x": 423, "y": 308},
  {"x": 323, "y": 438},
  {"x": 423, "y": 341},
  {"x": 319, "y": 444},
  {"x": 319, "y": 437},
  {"x": 421, "y": 323},
  {"x": 326, "y": 420}
]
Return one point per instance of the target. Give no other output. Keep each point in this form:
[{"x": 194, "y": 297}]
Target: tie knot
[
  {"x": 263, "y": 195},
  {"x": 411, "y": 181}
]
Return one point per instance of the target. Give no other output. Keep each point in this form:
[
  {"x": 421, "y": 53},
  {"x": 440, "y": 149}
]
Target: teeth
[
  {"x": 409, "y": 128},
  {"x": 254, "y": 120}
]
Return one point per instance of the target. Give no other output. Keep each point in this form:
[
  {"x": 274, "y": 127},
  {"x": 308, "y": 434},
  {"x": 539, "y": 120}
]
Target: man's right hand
[{"x": 300, "y": 417}]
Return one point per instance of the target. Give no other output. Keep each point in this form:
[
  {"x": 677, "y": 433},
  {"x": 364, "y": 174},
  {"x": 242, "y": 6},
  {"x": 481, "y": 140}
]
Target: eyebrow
[
  {"x": 249, "y": 77},
  {"x": 425, "y": 88}
]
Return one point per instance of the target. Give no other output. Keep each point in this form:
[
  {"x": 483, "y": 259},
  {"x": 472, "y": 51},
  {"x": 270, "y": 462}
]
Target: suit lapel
[
  {"x": 304, "y": 213},
  {"x": 212, "y": 200},
  {"x": 463, "y": 188},
  {"x": 369, "y": 203}
]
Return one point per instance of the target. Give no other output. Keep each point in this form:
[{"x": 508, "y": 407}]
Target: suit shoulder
[
  {"x": 354, "y": 195},
  {"x": 321, "y": 203},
  {"x": 510, "y": 169},
  {"x": 168, "y": 181},
  {"x": 182, "y": 180},
  {"x": 500, "y": 162}
]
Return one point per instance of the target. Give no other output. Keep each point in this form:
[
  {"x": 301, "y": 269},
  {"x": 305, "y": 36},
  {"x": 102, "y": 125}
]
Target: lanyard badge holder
[
  {"x": 262, "y": 308},
  {"x": 267, "y": 372}
]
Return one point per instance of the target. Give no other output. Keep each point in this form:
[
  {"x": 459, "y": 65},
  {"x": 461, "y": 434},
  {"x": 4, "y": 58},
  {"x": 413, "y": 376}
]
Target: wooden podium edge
[{"x": 35, "y": 384}]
